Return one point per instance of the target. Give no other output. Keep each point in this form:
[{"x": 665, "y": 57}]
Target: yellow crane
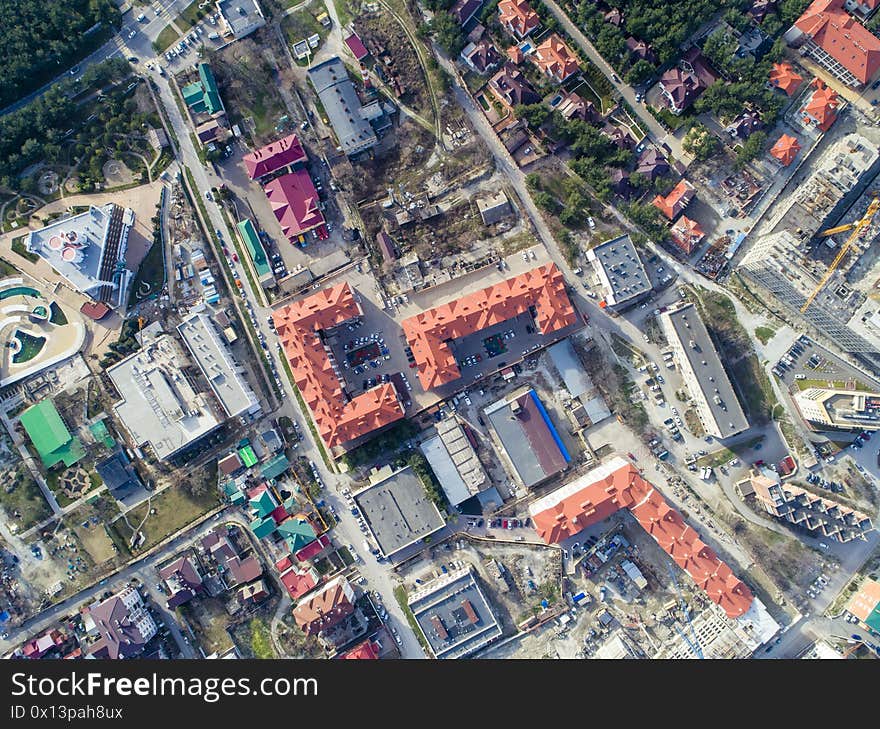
[{"x": 857, "y": 227}]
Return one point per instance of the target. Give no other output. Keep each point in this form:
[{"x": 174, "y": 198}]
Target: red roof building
[
  {"x": 363, "y": 651},
  {"x": 687, "y": 234},
  {"x": 271, "y": 158},
  {"x": 95, "y": 310},
  {"x": 821, "y": 110},
  {"x": 837, "y": 41},
  {"x": 676, "y": 201},
  {"x": 785, "y": 149},
  {"x": 299, "y": 582},
  {"x": 326, "y": 608},
  {"x": 312, "y": 549},
  {"x": 428, "y": 333},
  {"x": 555, "y": 59},
  {"x": 357, "y": 47},
  {"x": 295, "y": 203},
  {"x": 784, "y": 77},
  {"x": 618, "y": 485},
  {"x": 517, "y": 17},
  {"x": 338, "y": 417}
]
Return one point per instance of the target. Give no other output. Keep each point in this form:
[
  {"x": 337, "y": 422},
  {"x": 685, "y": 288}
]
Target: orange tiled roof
[
  {"x": 337, "y": 418},
  {"x": 784, "y": 77},
  {"x": 553, "y": 57},
  {"x": 862, "y": 604},
  {"x": 822, "y": 106},
  {"x": 624, "y": 488},
  {"x": 428, "y": 332},
  {"x": 785, "y": 149},
  {"x": 676, "y": 201},
  {"x": 325, "y": 608},
  {"x": 518, "y": 15},
  {"x": 362, "y": 651},
  {"x": 686, "y": 234},
  {"x": 847, "y": 41}
]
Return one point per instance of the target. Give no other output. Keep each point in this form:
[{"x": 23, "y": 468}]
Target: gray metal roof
[
  {"x": 343, "y": 107},
  {"x": 565, "y": 359},
  {"x": 620, "y": 270},
  {"x": 444, "y": 469},
  {"x": 685, "y": 324}
]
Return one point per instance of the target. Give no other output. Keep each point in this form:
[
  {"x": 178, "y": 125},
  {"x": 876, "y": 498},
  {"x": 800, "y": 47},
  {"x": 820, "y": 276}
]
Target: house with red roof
[
  {"x": 518, "y": 18},
  {"x": 617, "y": 484},
  {"x": 785, "y": 78},
  {"x": 482, "y": 56},
  {"x": 785, "y": 149},
  {"x": 295, "y": 203},
  {"x": 510, "y": 87},
  {"x": 555, "y": 59},
  {"x": 676, "y": 201},
  {"x": 368, "y": 650},
  {"x": 323, "y": 610},
  {"x": 828, "y": 34},
  {"x": 357, "y": 47},
  {"x": 286, "y": 152},
  {"x": 820, "y": 112},
  {"x": 683, "y": 84},
  {"x": 299, "y": 582},
  {"x": 430, "y": 332},
  {"x": 340, "y": 417},
  {"x": 687, "y": 234}
]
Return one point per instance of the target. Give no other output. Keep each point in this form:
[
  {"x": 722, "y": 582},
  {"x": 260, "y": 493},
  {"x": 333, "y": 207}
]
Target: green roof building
[
  {"x": 274, "y": 468},
  {"x": 263, "y": 527},
  {"x": 256, "y": 252},
  {"x": 233, "y": 493},
  {"x": 99, "y": 430},
  {"x": 297, "y": 533},
  {"x": 50, "y": 435},
  {"x": 263, "y": 505},
  {"x": 202, "y": 96},
  {"x": 248, "y": 457}
]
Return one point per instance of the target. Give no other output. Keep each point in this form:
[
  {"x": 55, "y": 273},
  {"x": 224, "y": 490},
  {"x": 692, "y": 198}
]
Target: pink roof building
[
  {"x": 294, "y": 201},
  {"x": 275, "y": 155}
]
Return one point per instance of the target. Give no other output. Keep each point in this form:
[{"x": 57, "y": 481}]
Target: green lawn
[
  {"x": 833, "y": 384},
  {"x": 191, "y": 15},
  {"x": 400, "y": 596},
  {"x": 19, "y": 248},
  {"x": 764, "y": 334},
  {"x": 174, "y": 510},
  {"x": 57, "y": 316},
  {"x": 342, "y": 11},
  {"x": 150, "y": 275},
  {"x": 166, "y": 38},
  {"x": 301, "y": 24},
  {"x": 7, "y": 269},
  {"x": 26, "y": 499}
]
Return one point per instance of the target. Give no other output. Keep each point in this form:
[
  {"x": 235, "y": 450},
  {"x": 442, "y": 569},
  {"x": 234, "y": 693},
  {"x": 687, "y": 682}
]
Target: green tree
[
  {"x": 444, "y": 28},
  {"x": 700, "y": 142},
  {"x": 750, "y": 149}
]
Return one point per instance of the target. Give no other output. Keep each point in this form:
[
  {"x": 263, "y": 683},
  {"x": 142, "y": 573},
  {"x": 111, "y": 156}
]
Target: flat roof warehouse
[
  {"x": 398, "y": 510},
  {"x": 343, "y": 107}
]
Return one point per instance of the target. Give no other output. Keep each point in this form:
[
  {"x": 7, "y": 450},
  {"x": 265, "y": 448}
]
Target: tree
[
  {"x": 750, "y": 149},
  {"x": 534, "y": 114},
  {"x": 640, "y": 72},
  {"x": 700, "y": 142},
  {"x": 546, "y": 201},
  {"x": 444, "y": 28},
  {"x": 533, "y": 181}
]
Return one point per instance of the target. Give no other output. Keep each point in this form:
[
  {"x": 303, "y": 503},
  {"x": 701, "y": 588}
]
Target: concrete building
[
  {"x": 217, "y": 364},
  {"x": 160, "y": 408},
  {"x": 834, "y": 409},
  {"x": 825, "y": 517},
  {"x": 711, "y": 392},
  {"x": 398, "y": 510},
  {"x": 494, "y": 207},
  {"x": 240, "y": 17},
  {"x": 526, "y": 437},
  {"x": 577, "y": 382},
  {"x": 88, "y": 251},
  {"x": 454, "y": 615},
  {"x": 454, "y": 462},
  {"x": 622, "y": 276},
  {"x": 343, "y": 107}
]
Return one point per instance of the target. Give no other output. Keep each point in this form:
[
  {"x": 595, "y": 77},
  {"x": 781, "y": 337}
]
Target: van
[{"x": 213, "y": 36}]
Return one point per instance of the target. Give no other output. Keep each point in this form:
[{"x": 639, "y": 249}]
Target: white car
[{"x": 132, "y": 34}]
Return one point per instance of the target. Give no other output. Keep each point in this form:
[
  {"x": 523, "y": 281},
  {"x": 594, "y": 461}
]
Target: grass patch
[
  {"x": 7, "y": 269},
  {"x": 166, "y": 38},
  {"x": 190, "y": 15},
  {"x": 400, "y": 596},
  {"x": 259, "y": 639},
  {"x": 723, "y": 455},
  {"x": 57, "y": 316},
  {"x": 150, "y": 273},
  {"x": 22, "y": 496},
  {"x": 208, "y": 619},
  {"x": 764, "y": 334},
  {"x": 693, "y": 423},
  {"x": 302, "y": 23},
  {"x": 174, "y": 510},
  {"x": 342, "y": 11},
  {"x": 19, "y": 248},
  {"x": 832, "y": 384}
]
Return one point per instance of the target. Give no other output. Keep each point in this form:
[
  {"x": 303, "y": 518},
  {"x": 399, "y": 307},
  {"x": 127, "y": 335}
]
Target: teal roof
[
  {"x": 50, "y": 435},
  {"x": 873, "y": 621},
  {"x": 234, "y": 493},
  {"x": 262, "y": 527},
  {"x": 264, "y": 504},
  {"x": 194, "y": 96},
  {"x": 99, "y": 430},
  {"x": 275, "y": 467},
  {"x": 255, "y": 248},
  {"x": 297, "y": 533},
  {"x": 212, "y": 95}
]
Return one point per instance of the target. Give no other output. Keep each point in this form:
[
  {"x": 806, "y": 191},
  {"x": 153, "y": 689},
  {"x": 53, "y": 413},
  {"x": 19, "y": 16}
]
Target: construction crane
[
  {"x": 694, "y": 644},
  {"x": 857, "y": 227}
]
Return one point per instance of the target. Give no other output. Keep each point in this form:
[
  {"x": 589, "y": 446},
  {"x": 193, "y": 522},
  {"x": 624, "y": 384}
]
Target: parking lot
[{"x": 807, "y": 364}]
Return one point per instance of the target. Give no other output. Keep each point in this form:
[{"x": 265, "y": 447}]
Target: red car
[
  {"x": 632, "y": 456},
  {"x": 235, "y": 257},
  {"x": 504, "y": 523}
]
